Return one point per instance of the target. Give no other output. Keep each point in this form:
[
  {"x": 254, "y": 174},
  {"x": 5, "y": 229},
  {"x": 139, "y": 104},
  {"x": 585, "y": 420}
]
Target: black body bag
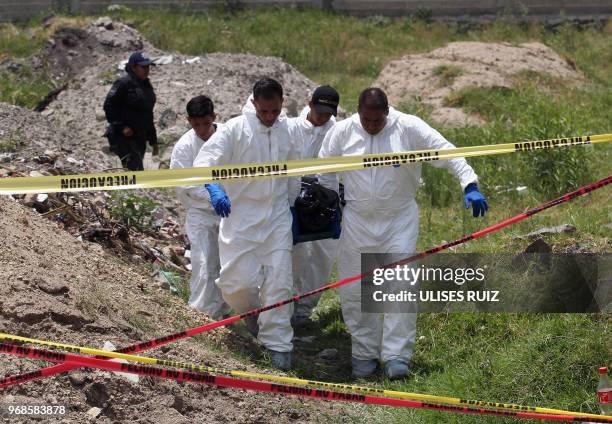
[{"x": 317, "y": 214}]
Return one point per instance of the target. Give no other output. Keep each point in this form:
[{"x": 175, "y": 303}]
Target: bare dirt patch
[{"x": 60, "y": 289}]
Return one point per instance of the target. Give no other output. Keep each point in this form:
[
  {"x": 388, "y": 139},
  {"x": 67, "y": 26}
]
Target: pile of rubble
[
  {"x": 38, "y": 150},
  {"x": 66, "y": 136},
  {"x": 91, "y": 268},
  {"x": 433, "y": 76},
  {"x": 100, "y": 53}
]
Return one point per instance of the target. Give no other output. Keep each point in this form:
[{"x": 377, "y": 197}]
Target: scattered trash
[
  {"x": 105, "y": 22},
  {"x": 87, "y": 217},
  {"x": 75, "y": 161},
  {"x": 158, "y": 217},
  {"x": 7, "y": 157},
  {"x": 110, "y": 347},
  {"x": 118, "y": 8},
  {"x": 518, "y": 189},
  {"x": 163, "y": 60},
  {"x": 94, "y": 411},
  {"x": 564, "y": 228}
]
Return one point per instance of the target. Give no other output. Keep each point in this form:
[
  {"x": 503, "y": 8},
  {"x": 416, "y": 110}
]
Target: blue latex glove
[
  {"x": 221, "y": 203},
  {"x": 478, "y": 201}
]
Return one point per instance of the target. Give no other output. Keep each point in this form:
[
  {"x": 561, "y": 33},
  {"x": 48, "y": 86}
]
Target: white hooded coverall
[
  {"x": 255, "y": 240},
  {"x": 312, "y": 261},
  {"x": 381, "y": 216},
  {"x": 202, "y": 227}
]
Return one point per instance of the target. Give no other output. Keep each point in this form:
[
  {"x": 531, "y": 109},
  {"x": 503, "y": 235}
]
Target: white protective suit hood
[
  {"x": 255, "y": 239},
  {"x": 249, "y": 108},
  {"x": 392, "y": 119},
  {"x": 312, "y": 137},
  {"x": 381, "y": 216},
  {"x": 183, "y": 156}
]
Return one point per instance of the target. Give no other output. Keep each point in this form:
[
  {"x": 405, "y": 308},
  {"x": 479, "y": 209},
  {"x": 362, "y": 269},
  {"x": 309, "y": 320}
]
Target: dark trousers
[{"x": 131, "y": 150}]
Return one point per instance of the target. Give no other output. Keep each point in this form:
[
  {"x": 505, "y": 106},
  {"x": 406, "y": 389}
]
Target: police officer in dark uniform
[{"x": 129, "y": 111}]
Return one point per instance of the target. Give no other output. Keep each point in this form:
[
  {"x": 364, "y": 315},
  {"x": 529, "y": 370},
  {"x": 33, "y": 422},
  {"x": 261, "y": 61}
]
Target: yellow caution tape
[
  {"x": 298, "y": 381},
  {"x": 293, "y": 168}
]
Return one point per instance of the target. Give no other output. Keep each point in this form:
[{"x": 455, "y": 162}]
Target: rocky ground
[
  {"x": 58, "y": 288},
  {"x": 226, "y": 78},
  {"x": 65, "y": 135},
  {"x": 76, "y": 273}
]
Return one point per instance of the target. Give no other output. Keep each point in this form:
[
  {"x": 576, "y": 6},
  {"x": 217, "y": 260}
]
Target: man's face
[
  {"x": 203, "y": 126},
  {"x": 317, "y": 119},
  {"x": 373, "y": 120},
  {"x": 142, "y": 72},
  {"x": 268, "y": 110}
]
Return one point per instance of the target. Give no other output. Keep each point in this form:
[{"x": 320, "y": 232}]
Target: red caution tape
[
  {"x": 47, "y": 372},
  {"x": 216, "y": 380}
]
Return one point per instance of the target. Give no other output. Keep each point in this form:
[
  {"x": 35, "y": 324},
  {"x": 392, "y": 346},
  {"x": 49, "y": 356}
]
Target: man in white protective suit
[
  {"x": 255, "y": 235},
  {"x": 202, "y": 223},
  {"x": 312, "y": 261},
  {"x": 381, "y": 216}
]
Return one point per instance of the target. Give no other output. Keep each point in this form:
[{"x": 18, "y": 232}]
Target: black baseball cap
[
  {"x": 325, "y": 100},
  {"x": 139, "y": 58}
]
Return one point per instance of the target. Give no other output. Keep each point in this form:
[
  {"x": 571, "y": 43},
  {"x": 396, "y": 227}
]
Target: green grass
[
  {"x": 352, "y": 58},
  {"x": 20, "y": 41},
  {"x": 27, "y": 87},
  {"x": 447, "y": 73},
  {"x": 24, "y": 87},
  {"x": 9, "y": 142},
  {"x": 543, "y": 360}
]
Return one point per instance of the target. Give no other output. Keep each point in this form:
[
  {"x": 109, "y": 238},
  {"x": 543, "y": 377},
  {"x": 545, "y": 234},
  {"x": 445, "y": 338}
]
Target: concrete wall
[
  {"x": 15, "y": 10},
  {"x": 456, "y": 8}
]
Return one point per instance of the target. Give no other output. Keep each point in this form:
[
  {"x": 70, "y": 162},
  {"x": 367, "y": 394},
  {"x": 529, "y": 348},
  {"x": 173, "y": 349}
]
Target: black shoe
[{"x": 251, "y": 325}]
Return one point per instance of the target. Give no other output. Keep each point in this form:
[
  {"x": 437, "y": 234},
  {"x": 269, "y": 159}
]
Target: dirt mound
[
  {"x": 71, "y": 49},
  {"x": 58, "y": 288},
  {"x": 433, "y": 76},
  {"x": 98, "y": 53},
  {"x": 30, "y": 139}
]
